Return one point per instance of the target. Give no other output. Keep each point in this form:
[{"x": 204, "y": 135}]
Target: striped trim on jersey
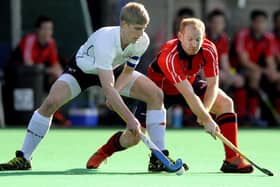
[
  {"x": 170, "y": 65},
  {"x": 209, "y": 48},
  {"x": 28, "y": 48}
]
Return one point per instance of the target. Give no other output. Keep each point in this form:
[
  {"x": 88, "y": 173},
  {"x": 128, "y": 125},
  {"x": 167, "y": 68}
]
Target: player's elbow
[{"x": 108, "y": 91}]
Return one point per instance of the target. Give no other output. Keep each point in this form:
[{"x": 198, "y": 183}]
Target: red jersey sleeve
[
  {"x": 26, "y": 46},
  {"x": 210, "y": 55},
  {"x": 169, "y": 62},
  {"x": 240, "y": 41},
  {"x": 53, "y": 58}
]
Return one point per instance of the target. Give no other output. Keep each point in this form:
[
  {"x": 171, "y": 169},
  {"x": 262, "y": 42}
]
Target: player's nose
[{"x": 194, "y": 44}]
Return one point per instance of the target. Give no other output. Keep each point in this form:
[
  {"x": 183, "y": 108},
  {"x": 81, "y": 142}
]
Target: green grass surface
[{"x": 60, "y": 160}]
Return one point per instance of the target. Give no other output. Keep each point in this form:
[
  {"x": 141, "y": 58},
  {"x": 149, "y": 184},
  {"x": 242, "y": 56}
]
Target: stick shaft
[
  {"x": 157, "y": 152},
  {"x": 264, "y": 97}
]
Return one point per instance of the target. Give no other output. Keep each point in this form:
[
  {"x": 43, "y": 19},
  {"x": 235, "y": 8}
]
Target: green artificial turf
[{"x": 61, "y": 157}]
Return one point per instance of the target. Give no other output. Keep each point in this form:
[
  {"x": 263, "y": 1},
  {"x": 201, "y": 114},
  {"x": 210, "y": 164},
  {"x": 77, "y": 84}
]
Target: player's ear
[{"x": 180, "y": 36}]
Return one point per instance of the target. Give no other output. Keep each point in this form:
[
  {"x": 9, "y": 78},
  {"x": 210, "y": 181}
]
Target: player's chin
[{"x": 193, "y": 52}]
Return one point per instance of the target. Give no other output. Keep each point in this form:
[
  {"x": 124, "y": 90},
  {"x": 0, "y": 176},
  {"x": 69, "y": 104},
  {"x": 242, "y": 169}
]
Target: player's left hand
[{"x": 212, "y": 129}]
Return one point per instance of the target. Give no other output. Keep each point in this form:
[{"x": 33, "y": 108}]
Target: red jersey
[
  {"x": 173, "y": 65},
  {"x": 31, "y": 50},
  {"x": 255, "y": 48},
  {"x": 221, "y": 43},
  {"x": 276, "y": 46}
]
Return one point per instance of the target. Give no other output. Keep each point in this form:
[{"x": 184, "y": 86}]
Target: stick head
[{"x": 267, "y": 172}]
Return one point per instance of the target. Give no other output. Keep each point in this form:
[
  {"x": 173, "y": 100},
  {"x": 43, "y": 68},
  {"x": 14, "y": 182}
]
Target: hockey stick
[
  {"x": 236, "y": 150},
  {"x": 171, "y": 167},
  {"x": 269, "y": 105}
]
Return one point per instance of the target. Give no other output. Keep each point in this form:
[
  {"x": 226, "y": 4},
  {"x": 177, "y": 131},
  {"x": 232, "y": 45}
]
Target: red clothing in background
[{"x": 31, "y": 50}]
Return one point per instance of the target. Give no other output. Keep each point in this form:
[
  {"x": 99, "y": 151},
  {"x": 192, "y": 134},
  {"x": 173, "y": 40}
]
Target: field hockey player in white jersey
[{"x": 108, "y": 59}]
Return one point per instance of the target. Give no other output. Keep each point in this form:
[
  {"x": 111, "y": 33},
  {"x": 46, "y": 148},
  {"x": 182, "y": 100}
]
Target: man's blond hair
[
  {"x": 197, "y": 23},
  {"x": 134, "y": 13}
]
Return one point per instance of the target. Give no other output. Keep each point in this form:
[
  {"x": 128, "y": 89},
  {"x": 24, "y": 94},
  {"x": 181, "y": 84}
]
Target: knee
[
  {"x": 49, "y": 106},
  {"x": 156, "y": 96},
  {"x": 227, "y": 103},
  {"x": 129, "y": 140}
]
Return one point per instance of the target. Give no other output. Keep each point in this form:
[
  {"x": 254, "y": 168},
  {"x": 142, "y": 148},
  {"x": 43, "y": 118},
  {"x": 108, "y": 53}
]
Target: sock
[
  {"x": 113, "y": 145},
  {"x": 156, "y": 125},
  {"x": 228, "y": 125},
  {"x": 240, "y": 96},
  {"x": 37, "y": 128}
]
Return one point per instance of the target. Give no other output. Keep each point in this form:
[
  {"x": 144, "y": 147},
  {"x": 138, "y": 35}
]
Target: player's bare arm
[
  {"x": 225, "y": 66},
  {"x": 255, "y": 71},
  {"x": 107, "y": 81},
  {"x": 271, "y": 69},
  {"x": 224, "y": 62},
  {"x": 245, "y": 61},
  {"x": 211, "y": 92}
]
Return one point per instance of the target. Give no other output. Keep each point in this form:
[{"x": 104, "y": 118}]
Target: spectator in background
[
  {"x": 276, "y": 33},
  {"x": 254, "y": 47},
  {"x": 230, "y": 80},
  {"x": 160, "y": 35},
  {"x": 182, "y": 13},
  {"x": 38, "y": 48}
]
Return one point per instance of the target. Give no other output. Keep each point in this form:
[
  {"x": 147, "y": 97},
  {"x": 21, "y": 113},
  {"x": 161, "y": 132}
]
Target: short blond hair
[
  {"x": 134, "y": 13},
  {"x": 197, "y": 23}
]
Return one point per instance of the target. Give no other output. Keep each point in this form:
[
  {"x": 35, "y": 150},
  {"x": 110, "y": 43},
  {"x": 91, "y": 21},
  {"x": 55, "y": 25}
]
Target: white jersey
[{"x": 103, "y": 50}]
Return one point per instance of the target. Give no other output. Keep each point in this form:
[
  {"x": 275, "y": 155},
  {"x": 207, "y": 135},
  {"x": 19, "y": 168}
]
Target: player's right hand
[{"x": 212, "y": 128}]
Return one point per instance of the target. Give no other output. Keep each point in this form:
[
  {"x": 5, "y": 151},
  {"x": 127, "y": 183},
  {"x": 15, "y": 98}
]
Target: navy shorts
[
  {"x": 199, "y": 87},
  {"x": 86, "y": 80}
]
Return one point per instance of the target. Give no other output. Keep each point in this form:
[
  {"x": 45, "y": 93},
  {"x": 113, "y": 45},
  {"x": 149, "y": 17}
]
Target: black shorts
[
  {"x": 86, "y": 80},
  {"x": 199, "y": 87}
]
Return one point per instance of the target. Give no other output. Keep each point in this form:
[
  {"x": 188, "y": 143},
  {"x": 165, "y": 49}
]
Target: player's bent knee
[
  {"x": 156, "y": 96},
  {"x": 131, "y": 141},
  {"x": 50, "y": 105},
  {"x": 227, "y": 103},
  {"x": 128, "y": 139}
]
